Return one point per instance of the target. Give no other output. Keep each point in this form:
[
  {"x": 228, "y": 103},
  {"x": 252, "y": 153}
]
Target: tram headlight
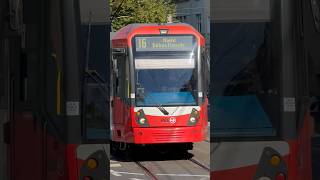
[
  {"x": 264, "y": 178},
  {"x": 275, "y": 160},
  {"x": 163, "y": 31},
  {"x": 92, "y": 164},
  {"x": 142, "y": 121},
  {"x": 192, "y": 119}
]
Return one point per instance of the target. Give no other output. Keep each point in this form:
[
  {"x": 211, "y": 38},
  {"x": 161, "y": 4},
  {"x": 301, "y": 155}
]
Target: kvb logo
[{"x": 171, "y": 120}]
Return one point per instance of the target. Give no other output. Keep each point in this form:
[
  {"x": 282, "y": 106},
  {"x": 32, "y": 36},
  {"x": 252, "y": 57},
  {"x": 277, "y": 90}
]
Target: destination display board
[{"x": 165, "y": 43}]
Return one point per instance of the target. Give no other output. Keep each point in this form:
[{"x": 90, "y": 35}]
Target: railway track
[
  {"x": 153, "y": 176},
  {"x": 146, "y": 170},
  {"x": 200, "y": 164},
  {"x": 147, "y": 164}
]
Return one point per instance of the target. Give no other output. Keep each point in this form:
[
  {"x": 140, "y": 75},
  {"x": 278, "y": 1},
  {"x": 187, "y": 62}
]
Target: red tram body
[
  {"x": 49, "y": 129},
  {"x": 148, "y": 111}
]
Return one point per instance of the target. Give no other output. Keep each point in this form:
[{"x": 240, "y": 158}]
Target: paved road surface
[{"x": 152, "y": 165}]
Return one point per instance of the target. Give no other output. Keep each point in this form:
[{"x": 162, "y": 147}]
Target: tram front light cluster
[
  {"x": 140, "y": 118},
  {"x": 194, "y": 117}
]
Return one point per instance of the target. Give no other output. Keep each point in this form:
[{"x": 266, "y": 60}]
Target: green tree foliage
[{"x": 140, "y": 11}]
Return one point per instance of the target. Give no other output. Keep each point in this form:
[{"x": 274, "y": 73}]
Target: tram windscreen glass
[
  {"x": 164, "y": 43},
  {"x": 165, "y": 70},
  {"x": 244, "y": 98}
]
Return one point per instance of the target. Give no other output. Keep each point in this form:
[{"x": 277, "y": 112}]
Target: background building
[{"x": 195, "y": 13}]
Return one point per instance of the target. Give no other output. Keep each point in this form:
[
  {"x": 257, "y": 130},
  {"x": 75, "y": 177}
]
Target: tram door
[
  {"x": 311, "y": 36},
  {"x": 4, "y": 106},
  {"x": 4, "y": 109},
  {"x": 121, "y": 64}
]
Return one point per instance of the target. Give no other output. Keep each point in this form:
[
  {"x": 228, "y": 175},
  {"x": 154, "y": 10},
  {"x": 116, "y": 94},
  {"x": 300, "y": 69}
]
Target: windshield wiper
[{"x": 162, "y": 109}]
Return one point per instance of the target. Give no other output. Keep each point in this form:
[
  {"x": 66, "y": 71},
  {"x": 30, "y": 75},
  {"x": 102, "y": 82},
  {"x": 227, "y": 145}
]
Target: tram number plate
[
  {"x": 289, "y": 104},
  {"x": 73, "y": 108}
]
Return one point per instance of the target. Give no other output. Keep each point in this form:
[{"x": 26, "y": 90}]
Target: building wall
[{"x": 195, "y": 13}]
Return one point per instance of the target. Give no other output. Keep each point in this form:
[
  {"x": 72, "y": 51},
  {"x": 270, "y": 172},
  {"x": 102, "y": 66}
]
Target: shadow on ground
[{"x": 150, "y": 154}]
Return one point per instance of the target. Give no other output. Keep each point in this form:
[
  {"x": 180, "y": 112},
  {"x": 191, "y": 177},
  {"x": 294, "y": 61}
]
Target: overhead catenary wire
[{"x": 117, "y": 10}]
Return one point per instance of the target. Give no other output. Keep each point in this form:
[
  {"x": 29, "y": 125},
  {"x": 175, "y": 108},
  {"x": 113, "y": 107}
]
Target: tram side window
[
  {"x": 121, "y": 65},
  {"x": 315, "y": 5}
]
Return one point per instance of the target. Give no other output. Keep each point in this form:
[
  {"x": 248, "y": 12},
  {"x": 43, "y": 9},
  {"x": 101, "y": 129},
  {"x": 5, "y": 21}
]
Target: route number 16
[{"x": 142, "y": 43}]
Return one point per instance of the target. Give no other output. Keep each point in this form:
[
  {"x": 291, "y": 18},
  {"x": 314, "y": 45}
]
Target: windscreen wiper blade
[{"x": 163, "y": 110}]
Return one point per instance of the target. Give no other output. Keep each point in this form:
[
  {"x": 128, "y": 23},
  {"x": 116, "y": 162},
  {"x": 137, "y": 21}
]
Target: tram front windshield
[{"x": 165, "y": 70}]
